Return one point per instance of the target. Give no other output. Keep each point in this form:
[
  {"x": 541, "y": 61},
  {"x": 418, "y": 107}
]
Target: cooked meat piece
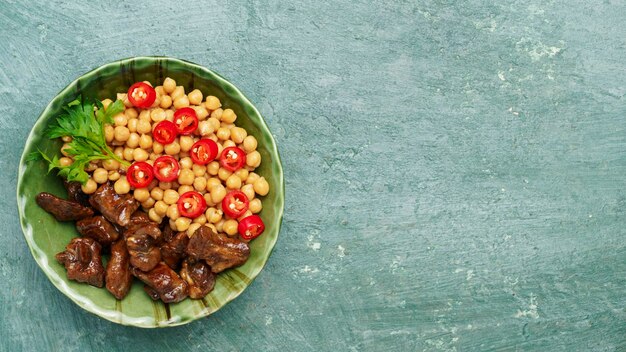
[
  {"x": 99, "y": 229},
  {"x": 144, "y": 254},
  {"x": 168, "y": 233},
  {"x": 219, "y": 251},
  {"x": 75, "y": 193},
  {"x": 115, "y": 207},
  {"x": 149, "y": 228},
  {"x": 82, "y": 261},
  {"x": 199, "y": 277},
  {"x": 138, "y": 217},
  {"x": 61, "y": 209},
  {"x": 170, "y": 287},
  {"x": 151, "y": 292},
  {"x": 118, "y": 276},
  {"x": 174, "y": 250}
]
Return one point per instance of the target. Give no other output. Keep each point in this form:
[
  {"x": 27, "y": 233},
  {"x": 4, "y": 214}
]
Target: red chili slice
[
  {"x": 166, "y": 168},
  {"x": 191, "y": 204},
  {"x": 233, "y": 158},
  {"x": 235, "y": 204},
  {"x": 251, "y": 227},
  {"x": 203, "y": 151},
  {"x": 139, "y": 174},
  {"x": 141, "y": 95},
  {"x": 186, "y": 121},
  {"x": 165, "y": 132}
]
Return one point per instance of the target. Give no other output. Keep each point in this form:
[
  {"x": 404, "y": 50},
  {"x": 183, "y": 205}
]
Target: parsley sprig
[{"x": 84, "y": 122}]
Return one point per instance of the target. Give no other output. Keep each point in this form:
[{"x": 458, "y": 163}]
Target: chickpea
[
  {"x": 64, "y": 149},
  {"x": 179, "y": 91},
  {"x": 214, "y": 121},
  {"x": 182, "y": 223},
  {"x": 148, "y": 203},
  {"x": 184, "y": 189},
  {"x": 144, "y": 115},
  {"x": 213, "y": 215},
  {"x": 65, "y": 161},
  {"x": 233, "y": 182},
  {"x": 145, "y": 141},
  {"x": 185, "y": 143},
  {"x": 154, "y": 216},
  {"x": 212, "y": 182},
  {"x": 157, "y": 147},
  {"x": 223, "y": 174},
  {"x": 181, "y": 102},
  {"x": 121, "y": 134},
  {"x": 253, "y": 159},
  {"x": 220, "y": 147},
  {"x": 140, "y": 154},
  {"x": 200, "y": 219},
  {"x": 261, "y": 186},
  {"x": 199, "y": 184},
  {"x": 255, "y": 206},
  {"x": 165, "y": 185},
  {"x": 161, "y": 208},
  {"x": 114, "y": 175},
  {"x": 128, "y": 154},
  {"x": 171, "y": 149},
  {"x": 172, "y": 212},
  {"x": 186, "y": 176},
  {"x": 133, "y": 140},
  {"x": 228, "y": 116},
  {"x": 124, "y": 98},
  {"x": 228, "y": 126},
  {"x": 157, "y": 115},
  {"x": 212, "y": 102},
  {"x": 238, "y": 134},
  {"x": 143, "y": 126},
  {"x": 100, "y": 175},
  {"x": 249, "y": 144},
  {"x": 169, "y": 115},
  {"x": 208, "y": 199},
  {"x": 223, "y": 133},
  {"x": 195, "y": 97},
  {"x": 166, "y": 102},
  {"x": 169, "y": 85},
  {"x": 157, "y": 193},
  {"x": 192, "y": 228},
  {"x": 132, "y": 125},
  {"x": 109, "y": 133},
  {"x": 213, "y": 167},
  {"x": 201, "y": 112},
  {"x": 110, "y": 164},
  {"x": 121, "y": 186},
  {"x": 131, "y": 113},
  {"x": 248, "y": 190},
  {"x": 228, "y": 143},
  {"x": 119, "y": 152},
  {"x": 141, "y": 194},
  {"x": 120, "y": 119},
  {"x": 92, "y": 166},
  {"x": 107, "y": 102},
  {"x": 244, "y": 215},
  {"x": 89, "y": 187},
  {"x": 243, "y": 174},
  {"x": 252, "y": 177},
  {"x": 205, "y": 128},
  {"x": 230, "y": 227},
  {"x": 218, "y": 193},
  {"x": 170, "y": 196},
  {"x": 219, "y": 225}
]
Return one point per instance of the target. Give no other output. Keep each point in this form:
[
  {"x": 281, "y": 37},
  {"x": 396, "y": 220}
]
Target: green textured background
[{"x": 454, "y": 171}]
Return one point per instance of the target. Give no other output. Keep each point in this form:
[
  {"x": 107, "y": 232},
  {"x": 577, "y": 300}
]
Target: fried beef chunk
[
  {"x": 144, "y": 254},
  {"x": 99, "y": 229},
  {"x": 219, "y": 251},
  {"x": 61, "y": 209},
  {"x": 75, "y": 193},
  {"x": 170, "y": 287},
  {"x": 138, "y": 217},
  {"x": 173, "y": 251},
  {"x": 199, "y": 277},
  {"x": 115, "y": 207},
  {"x": 118, "y": 276},
  {"x": 82, "y": 261},
  {"x": 151, "y": 292}
]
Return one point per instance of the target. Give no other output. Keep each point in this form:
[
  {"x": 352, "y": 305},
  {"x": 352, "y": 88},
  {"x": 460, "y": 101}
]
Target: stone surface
[{"x": 455, "y": 170}]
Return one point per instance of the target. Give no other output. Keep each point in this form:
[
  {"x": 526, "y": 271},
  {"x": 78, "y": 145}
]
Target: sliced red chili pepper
[
  {"x": 203, "y": 151},
  {"x": 233, "y": 158},
  {"x": 186, "y": 121},
  {"x": 235, "y": 204},
  {"x": 251, "y": 227},
  {"x": 139, "y": 174},
  {"x": 141, "y": 95},
  {"x": 191, "y": 204},
  {"x": 166, "y": 168},
  {"x": 165, "y": 132}
]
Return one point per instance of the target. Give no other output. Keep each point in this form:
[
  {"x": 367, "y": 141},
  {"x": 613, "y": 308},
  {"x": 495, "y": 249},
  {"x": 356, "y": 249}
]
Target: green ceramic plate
[{"x": 46, "y": 237}]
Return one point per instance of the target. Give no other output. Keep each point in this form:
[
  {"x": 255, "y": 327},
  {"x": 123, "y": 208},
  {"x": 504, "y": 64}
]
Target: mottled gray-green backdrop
[{"x": 455, "y": 170}]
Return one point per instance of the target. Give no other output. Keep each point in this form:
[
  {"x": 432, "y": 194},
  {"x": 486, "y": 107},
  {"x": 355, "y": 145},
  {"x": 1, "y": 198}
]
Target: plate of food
[{"x": 151, "y": 192}]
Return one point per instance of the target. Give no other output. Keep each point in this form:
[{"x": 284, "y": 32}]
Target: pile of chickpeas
[{"x": 130, "y": 137}]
